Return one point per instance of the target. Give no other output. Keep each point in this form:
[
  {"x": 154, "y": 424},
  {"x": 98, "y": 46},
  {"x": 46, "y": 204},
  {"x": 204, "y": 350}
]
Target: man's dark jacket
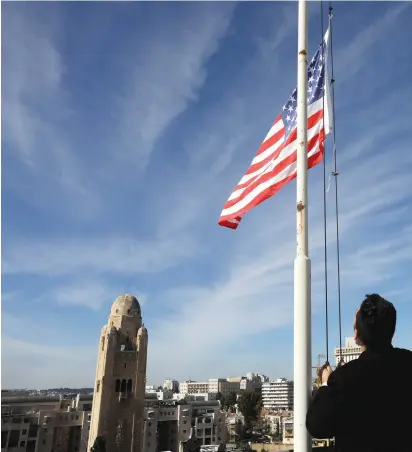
[{"x": 367, "y": 404}]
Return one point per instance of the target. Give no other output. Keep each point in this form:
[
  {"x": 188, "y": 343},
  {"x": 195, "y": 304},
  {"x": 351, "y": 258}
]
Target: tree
[
  {"x": 250, "y": 404},
  {"x": 219, "y": 396},
  {"x": 239, "y": 430},
  {"x": 192, "y": 444},
  {"x": 99, "y": 445},
  {"x": 222, "y": 447},
  {"x": 223, "y": 402},
  {"x": 278, "y": 436},
  {"x": 230, "y": 401}
]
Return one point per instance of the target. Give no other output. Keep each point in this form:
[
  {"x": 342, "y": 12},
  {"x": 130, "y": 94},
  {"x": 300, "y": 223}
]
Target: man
[{"x": 366, "y": 404}]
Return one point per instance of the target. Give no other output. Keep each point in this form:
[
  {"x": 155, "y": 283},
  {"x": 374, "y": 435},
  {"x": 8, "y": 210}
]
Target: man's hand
[{"x": 324, "y": 373}]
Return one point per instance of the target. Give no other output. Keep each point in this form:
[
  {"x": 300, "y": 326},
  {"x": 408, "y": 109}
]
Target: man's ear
[
  {"x": 356, "y": 337},
  {"x": 355, "y": 331}
]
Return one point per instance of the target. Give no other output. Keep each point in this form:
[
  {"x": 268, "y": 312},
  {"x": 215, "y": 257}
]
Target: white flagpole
[{"x": 302, "y": 276}]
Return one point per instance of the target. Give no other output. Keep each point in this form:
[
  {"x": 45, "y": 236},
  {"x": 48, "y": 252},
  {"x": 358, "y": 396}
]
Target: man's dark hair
[{"x": 376, "y": 322}]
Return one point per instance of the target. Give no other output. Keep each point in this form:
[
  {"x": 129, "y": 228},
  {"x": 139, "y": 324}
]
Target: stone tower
[{"x": 119, "y": 389}]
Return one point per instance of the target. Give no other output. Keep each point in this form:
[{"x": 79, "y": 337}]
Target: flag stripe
[
  {"x": 283, "y": 153},
  {"x": 276, "y": 151},
  {"x": 273, "y": 177},
  {"x": 269, "y": 188}
]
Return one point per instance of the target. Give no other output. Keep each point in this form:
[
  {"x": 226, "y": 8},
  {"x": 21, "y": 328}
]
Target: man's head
[{"x": 375, "y": 322}]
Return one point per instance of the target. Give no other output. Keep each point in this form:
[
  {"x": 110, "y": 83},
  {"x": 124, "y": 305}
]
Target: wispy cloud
[
  {"x": 37, "y": 114},
  {"x": 168, "y": 74},
  {"x": 47, "y": 365},
  {"x": 164, "y": 75},
  {"x": 354, "y": 55},
  {"x": 92, "y": 294},
  {"x": 96, "y": 255},
  {"x": 32, "y": 80}
]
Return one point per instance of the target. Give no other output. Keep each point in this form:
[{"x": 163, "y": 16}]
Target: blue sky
[{"x": 126, "y": 126}]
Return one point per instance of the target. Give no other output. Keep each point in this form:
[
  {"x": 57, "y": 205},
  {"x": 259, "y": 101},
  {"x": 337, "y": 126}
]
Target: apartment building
[
  {"x": 171, "y": 385},
  {"x": 195, "y": 397},
  {"x": 170, "y": 425},
  {"x": 213, "y": 385},
  {"x": 278, "y": 395},
  {"x": 223, "y": 385},
  {"x": 194, "y": 387},
  {"x": 234, "y": 425},
  {"x": 349, "y": 352},
  {"x": 161, "y": 393},
  {"x": 288, "y": 430},
  {"x": 44, "y": 424}
]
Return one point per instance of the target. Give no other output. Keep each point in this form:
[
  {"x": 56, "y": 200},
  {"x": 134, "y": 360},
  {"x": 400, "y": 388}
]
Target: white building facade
[
  {"x": 278, "y": 395},
  {"x": 169, "y": 425},
  {"x": 171, "y": 385},
  {"x": 349, "y": 352},
  {"x": 212, "y": 386}
]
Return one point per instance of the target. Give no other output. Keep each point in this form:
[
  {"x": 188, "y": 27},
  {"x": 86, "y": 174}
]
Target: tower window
[
  {"x": 125, "y": 365},
  {"x": 129, "y": 386},
  {"x": 128, "y": 311},
  {"x": 102, "y": 343},
  {"x": 117, "y": 385},
  {"x": 123, "y": 386},
  {"x": 98, "y": 386}
]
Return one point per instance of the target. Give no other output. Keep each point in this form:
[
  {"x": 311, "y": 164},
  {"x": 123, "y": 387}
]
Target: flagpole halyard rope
[
  {"x": 324, "y": 211},
  {"x": 335, "y": 173}
]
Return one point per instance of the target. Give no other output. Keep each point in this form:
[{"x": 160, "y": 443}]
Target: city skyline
[{"x": 125, "y": 128}]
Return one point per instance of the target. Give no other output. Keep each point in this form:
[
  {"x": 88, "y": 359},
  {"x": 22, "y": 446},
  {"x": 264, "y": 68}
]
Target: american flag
[{"x": 274, "y": 164}]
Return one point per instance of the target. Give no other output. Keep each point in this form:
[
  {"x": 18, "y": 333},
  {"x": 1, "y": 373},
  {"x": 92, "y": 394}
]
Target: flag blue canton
[{"x": 316, "y": 86}]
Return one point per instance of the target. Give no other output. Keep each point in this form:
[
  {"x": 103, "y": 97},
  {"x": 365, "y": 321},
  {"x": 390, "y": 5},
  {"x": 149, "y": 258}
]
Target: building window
[
  {"x": 102, "y": 343},
  {"x": 129, "y": 386},
  {"x": 123, "y": 386},
  {"x": 125, "y": 365},
  {"x": 33, "y": 431},
  {"x": 4, "y": 434},
  {"x": 31, "y": 446},
  {"x": 14, "y": 438},
  {"x": 184, "y": 432},
  {"x": 97, "y": 389},
  {"x": 117, "y": 385},
  {"x": 22, "y": 444}
]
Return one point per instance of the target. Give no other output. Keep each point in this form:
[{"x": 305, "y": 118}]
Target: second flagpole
[{"x": 302, "y": 265}]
